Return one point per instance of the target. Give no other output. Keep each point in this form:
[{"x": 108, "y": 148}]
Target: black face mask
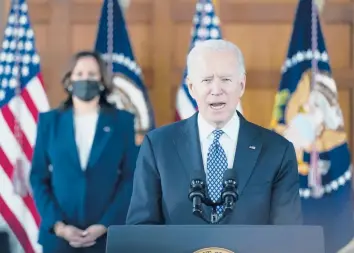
[{"x": 86, "y": 90}]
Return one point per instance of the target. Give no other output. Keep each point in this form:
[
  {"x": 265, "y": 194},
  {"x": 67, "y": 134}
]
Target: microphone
[
  {"x": 197, "y": 193},
  {"x": 229, "y": 194}
]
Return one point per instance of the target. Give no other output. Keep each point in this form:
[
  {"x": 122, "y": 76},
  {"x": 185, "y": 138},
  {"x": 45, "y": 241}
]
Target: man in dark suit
[{"x": 214, "y": 140}]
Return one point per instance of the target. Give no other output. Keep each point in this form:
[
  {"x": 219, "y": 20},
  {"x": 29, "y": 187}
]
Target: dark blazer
[
  {"x": 267, "y": 177},
  {"x": 64, "y": 192}
]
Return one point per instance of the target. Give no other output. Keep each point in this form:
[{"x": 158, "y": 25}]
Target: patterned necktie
[{"x": 216, "y": 166}]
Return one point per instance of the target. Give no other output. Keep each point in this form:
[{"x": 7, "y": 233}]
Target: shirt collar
[{"x": 230, "y": 129}]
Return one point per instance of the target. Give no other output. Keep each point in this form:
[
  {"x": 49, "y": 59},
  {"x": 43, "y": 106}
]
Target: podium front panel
[{"x": 215, "y": 239}]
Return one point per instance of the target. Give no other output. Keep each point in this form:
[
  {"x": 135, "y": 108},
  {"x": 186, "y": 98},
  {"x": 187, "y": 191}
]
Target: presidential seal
[
  {"x": 313, "y": 120},
  {"x": 214, "y": 250},
  {"x": 313, "y": 115}
]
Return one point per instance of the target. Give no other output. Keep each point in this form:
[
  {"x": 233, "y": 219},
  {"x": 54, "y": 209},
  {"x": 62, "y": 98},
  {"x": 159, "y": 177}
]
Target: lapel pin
[
  {"x": 252, "y": 147},
  {"x": 107, "y": 129}
]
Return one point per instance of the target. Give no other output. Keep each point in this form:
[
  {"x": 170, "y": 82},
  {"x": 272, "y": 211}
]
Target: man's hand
[
  {"x": 76, "y": 237},
  {"x": 90, "y": 236}
]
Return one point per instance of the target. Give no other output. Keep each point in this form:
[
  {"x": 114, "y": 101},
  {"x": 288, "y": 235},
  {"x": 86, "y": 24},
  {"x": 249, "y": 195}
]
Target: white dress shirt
[
  {"x": 85, "y": 129},
  {"x": 228, "y": 140}
]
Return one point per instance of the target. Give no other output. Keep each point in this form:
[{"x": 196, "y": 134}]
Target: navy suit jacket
[
  {"x": 267, "y": 177},
  {"x": 63, "y": 191}
]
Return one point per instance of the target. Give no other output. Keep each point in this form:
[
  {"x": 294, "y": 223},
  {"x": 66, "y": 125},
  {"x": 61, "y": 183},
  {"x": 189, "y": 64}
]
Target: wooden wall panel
[
  {"x": 284, "y": 1},
  {"x": 162, "y": 41},
  {"x": 88, "y": 1},
  {"x": 83, "y": 37},
  {"x": 339, "y": 44},
  {"x": 265, "y": 45},
  {"x": 41, "y": 32},
  {"x": 181, "y": 41},
  {"x": 160, "y": 36},
  {"x": 142, "y": 44},
  {"x": 254, "y": 38},
  {"x": 257, "y": 105},
  {"x": 282, "y": 12}
]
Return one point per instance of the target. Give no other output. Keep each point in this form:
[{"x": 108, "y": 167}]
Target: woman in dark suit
[{"x": 83, "y": 162}]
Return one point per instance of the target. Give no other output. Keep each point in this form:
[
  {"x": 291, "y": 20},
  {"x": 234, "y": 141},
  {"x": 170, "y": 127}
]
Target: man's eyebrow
[
  {"x": 210, "y": 76},
  {"x": 225, "y": 75}
]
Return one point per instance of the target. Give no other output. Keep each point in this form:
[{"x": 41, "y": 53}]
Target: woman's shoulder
[
  {"x": 48, "y": 115},
  {"x": 46, "y": 119}
]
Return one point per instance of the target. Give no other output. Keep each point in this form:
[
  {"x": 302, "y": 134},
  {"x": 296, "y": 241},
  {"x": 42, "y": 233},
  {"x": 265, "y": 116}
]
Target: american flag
[
  {"x": 205, "y": 26},
  {"x": 22, "y": 97}
]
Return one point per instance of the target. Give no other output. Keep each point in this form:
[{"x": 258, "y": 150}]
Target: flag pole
[
  {"x": 19, "y": 181},
  {"x": 315, "y": 178},
  {"x": 18, "y": 177},
  {"x": 110, "y": 39}
]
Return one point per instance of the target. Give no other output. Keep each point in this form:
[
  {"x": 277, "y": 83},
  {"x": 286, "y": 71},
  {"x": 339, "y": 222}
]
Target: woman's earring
[
  {"x": 70, "y": 88},
  {"x": 101, "y": 87}
]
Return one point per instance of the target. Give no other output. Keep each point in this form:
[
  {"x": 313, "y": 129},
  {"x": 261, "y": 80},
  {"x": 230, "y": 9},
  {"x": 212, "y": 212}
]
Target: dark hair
[{"x": 105, "y": 80}]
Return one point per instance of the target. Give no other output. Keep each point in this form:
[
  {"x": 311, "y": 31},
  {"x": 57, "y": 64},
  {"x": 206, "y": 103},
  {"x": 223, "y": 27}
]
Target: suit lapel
[
  {"x": 69, "y": 137},
  {"x": 247, "y": 151},
  {"x": 188, "y": 146},
  {"x": 189, "y": 150},
  {"x": 103, "y": 132}
]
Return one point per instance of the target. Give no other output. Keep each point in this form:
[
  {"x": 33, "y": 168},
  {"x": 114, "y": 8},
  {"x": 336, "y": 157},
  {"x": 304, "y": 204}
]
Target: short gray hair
[{"x": 216, "y": 45}]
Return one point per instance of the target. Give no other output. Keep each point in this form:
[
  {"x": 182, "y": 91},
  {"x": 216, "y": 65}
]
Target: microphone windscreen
[
  {"x": 198, "y": 175},
  {"x": 230, "y": 174}
]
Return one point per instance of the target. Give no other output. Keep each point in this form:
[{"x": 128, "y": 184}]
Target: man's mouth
[{"x": 217, "y": 106}]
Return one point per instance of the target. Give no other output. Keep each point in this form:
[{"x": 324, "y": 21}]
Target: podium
[
  {"x": 4, "y": 242},
  {"x": 215, "y": 239}
]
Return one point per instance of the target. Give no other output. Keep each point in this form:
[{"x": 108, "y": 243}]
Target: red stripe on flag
[
  {"x": 29, "y": 103},
  {"x": 16, "y": 227},
  {"x": 177, "y": 117},
  {"x": 29, "y": 201},
  {"x": 8, "y": 168},
  {"x": 10, "y": 119},
  {"x": 40, "y": 77},
  {"x": 6, "y": 164}
]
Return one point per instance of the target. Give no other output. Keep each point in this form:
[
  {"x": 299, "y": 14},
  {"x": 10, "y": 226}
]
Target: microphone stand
[
  {"x": 199, "y": 213},
  {"x": 215, "y": 218},
  {"x": 228, "y": 199},
  {"x": 197, "y": 196},
  {"x": 229, "y": 195},
  {"x": 228, "y": 208}
]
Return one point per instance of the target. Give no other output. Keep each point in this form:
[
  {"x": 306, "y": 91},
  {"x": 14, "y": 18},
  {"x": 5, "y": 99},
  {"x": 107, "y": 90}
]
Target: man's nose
[{"x": 216, "y": 88}]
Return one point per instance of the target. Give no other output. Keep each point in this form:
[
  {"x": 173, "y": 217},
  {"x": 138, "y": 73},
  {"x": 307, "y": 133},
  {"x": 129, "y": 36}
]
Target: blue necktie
[{"x": 216, "y": 166}]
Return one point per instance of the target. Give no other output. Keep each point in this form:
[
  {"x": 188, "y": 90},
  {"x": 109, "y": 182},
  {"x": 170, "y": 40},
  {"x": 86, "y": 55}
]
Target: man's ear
[
  {"x": 243, "y": 85},
  {"x": 190, "y": 86}
]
